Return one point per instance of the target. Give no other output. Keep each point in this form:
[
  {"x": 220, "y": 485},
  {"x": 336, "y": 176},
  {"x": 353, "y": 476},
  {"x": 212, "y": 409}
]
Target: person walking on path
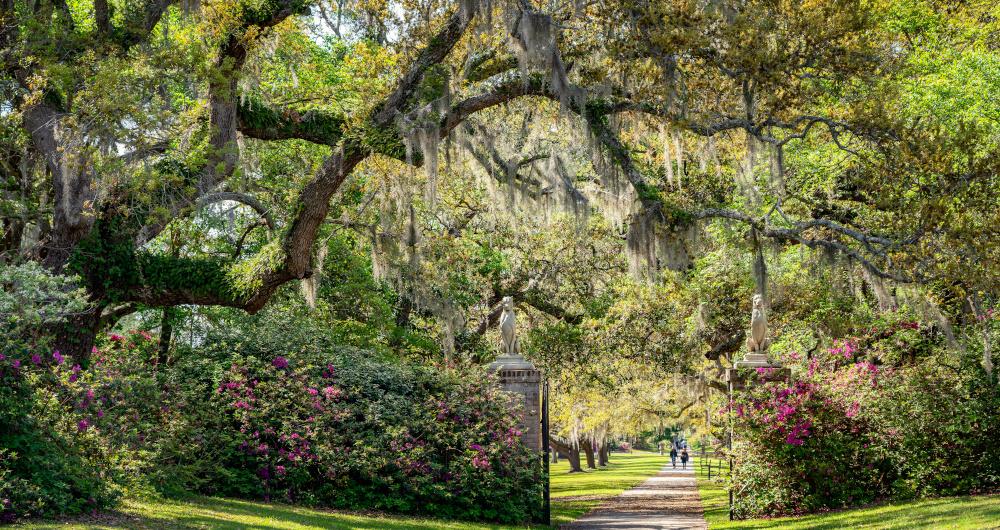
[
  {"x": 673, "y": 455},
  {"x": 684, "y": 458}
]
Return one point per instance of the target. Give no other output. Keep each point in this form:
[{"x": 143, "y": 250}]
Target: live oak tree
[{"x": 122, "y": 120}]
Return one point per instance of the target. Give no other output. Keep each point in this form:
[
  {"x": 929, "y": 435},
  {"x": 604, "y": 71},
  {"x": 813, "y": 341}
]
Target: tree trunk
[
  {"x": 572, "y": 455},
  {"x": 10, "y": 239},
  {"x": 588, "y": 450},
  {"x": 166, "y": 334},
  {"x": 77, "y": 335},
  {"x": 602, "y": 454}
]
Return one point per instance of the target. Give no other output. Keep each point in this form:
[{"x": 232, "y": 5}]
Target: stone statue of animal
[
  {"x": 508, "y": 333},
  {"x": 758, "y": 341}
]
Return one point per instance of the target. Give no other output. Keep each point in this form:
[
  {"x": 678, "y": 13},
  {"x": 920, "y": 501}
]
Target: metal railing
[{"x": 715, "y": 464}]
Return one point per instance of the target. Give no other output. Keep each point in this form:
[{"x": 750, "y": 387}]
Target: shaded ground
[
  {"x": 573, "y": 494},
  {"x": 946, "y": 513},
  {"x": 670, "y": 500}
]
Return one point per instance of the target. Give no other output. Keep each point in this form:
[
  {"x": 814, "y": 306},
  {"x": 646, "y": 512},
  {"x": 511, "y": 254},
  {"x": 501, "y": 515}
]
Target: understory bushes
[
  {"x": 287, "y": 417},
  {"x": 881, "y": 416}
]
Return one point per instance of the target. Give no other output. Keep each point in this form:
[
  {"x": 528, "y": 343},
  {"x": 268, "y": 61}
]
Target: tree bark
[
  {"x": 572, "y": 455},
  {"x": 602, "y": 454},
  {"x": 166, "y": 334},
  {"x": 588, "y": 451},
  {"x": 77, "y": 335}
]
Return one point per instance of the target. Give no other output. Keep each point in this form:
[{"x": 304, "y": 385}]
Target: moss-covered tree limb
[
  {"x": 257, "y": 120},
  {"x": 314, "y": 199}
]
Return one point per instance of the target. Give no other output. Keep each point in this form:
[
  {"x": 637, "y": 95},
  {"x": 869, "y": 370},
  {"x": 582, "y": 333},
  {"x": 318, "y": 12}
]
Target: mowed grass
[
  {"x": 573, "y": 494},
  {"x": 952, "y": 513}
]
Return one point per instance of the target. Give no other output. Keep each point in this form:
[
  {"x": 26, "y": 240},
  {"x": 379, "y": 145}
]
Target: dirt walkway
[{"x": 669, "y": 500}]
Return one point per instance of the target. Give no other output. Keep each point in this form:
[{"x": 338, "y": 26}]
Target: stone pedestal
[
  {"x": 518, "y": 376},
  {"x": 754, "y": 360}
]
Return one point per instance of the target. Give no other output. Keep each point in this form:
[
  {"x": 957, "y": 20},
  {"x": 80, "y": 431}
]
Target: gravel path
[{"x": 669, "y": 500}]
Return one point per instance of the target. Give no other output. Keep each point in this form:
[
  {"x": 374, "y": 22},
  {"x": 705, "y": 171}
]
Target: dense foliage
[
  {"x": 629, "y": 172},
  {"x": 287, "y": 416},
  {"x": 881, "y": 416}
]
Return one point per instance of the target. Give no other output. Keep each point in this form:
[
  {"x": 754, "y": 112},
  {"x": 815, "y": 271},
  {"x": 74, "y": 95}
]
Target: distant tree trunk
[
  {"x": 77, "y": 335},
  {"x": 403, "y": 310},
  {"x": 602, "y": 454},
  {"x": 166, "y": 334},
  {"x": 588, "y": 450},
  {"x": 572, "y": 455},
  {"x": 11, "y": 234},
  {"x": 555, "y": 455}
]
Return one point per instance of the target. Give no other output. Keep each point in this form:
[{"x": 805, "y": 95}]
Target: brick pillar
[{"x": 524, "y": 380}]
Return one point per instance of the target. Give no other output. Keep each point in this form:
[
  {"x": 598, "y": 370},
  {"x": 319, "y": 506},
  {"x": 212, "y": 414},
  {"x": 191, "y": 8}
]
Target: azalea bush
[
  {"x": 48, "y": 464},
  {"x": 884, "y": 415},
  {"x": 72, "y": 440},
  {"x": 343, "y": 431},
  {"x": 296, "y": 421}
]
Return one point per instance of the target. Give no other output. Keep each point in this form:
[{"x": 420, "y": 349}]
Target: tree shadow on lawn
[
  {"x": 949, "y": 512},
  {"x": 226, "y": 514}
]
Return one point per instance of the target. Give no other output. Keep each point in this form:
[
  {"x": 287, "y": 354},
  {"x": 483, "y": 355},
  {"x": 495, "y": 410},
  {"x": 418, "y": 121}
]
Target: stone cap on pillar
[
  {"x": 756, "y": 360},
  {"x": 510, "y": 362}
]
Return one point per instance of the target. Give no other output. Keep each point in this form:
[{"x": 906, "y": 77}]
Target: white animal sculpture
[
  {"x": 508, "y": 333},
  {"x": 758, "y": 341}
]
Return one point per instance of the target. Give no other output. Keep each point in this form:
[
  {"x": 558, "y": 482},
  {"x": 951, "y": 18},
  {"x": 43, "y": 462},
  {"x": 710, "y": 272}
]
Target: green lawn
[
  {"x": 573, "y": 495},
  {"x": 972, "y": 513}
]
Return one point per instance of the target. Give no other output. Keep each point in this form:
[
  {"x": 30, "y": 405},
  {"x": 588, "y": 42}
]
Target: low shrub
[
  {"x": 328, "y": 427},
  {"x": 875, "y": 417}
]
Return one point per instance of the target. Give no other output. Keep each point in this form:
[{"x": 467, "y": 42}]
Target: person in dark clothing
[
  {"x": 684, "y": 458},
  {"x": 673, "y": 455}
]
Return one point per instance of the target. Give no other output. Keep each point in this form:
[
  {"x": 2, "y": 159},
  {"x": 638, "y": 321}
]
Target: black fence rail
[{"x": 712, "y": 465}]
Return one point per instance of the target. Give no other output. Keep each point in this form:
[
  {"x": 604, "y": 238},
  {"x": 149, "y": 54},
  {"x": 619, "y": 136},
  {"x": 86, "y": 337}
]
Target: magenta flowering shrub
[
  {"x": 351, "y": 433},
  {"x": 871, "y": 418},
  {"x": 67, "y": 434},
  {"x": 801, "y": 438},
  {"x": 335, "y": 429}
]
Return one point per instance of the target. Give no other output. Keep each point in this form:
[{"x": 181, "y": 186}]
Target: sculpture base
[
  {"x": 518, "y": 376},
  {"x": 738, "y": 379},
  {"x": 755, "y": 360},
  {"x": 511, "y": 362}
]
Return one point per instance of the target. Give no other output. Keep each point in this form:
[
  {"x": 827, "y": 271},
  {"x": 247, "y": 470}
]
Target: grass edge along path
[
  {"x": 573, "y": 494},
  {"x": 952, "y": 513}
]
